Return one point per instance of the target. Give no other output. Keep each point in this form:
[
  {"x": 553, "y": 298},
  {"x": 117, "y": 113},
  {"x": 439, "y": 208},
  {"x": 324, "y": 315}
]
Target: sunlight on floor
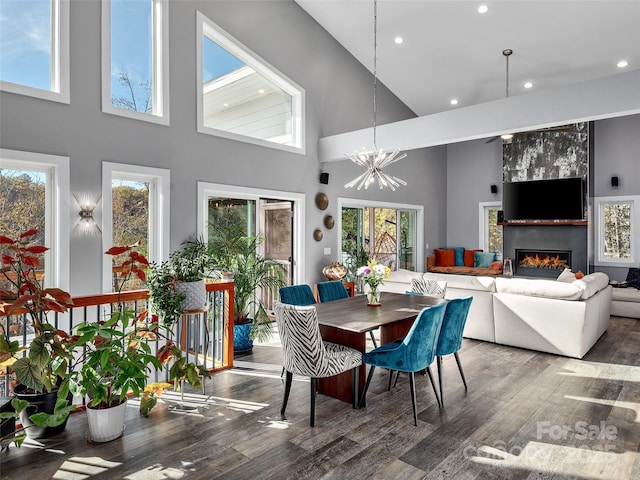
[
  {"x": 633, "y": 406},
  {"x": 560, "y": 460},
  {"x": 78, "y": 468},
  {"x": 605, "y": 371}
]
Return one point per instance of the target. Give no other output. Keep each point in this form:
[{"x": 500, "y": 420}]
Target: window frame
[
  {"x": 57, "y": 201},
  {"x": 206, "y": 190},
  {"x": 59, "y": 63},
  {"x": 160, "y": 69},
  {"x": 483, "y": 224},
  {"x": 599, "y": 203},
  {"x": 250, "y": 58},
  {"x": 159, "y": 211},
  {"x": 343, "y": 202}
]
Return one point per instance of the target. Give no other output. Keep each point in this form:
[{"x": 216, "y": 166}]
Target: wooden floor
[{"x": 526, "y": 415}]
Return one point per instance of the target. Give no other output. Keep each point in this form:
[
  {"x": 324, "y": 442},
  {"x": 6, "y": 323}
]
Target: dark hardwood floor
[{"x": 526, "y": 415}]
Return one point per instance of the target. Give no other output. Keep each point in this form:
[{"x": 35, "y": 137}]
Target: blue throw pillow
[
  {"x": 483, "y": 259},
  {"x": 458, "y": 255}
]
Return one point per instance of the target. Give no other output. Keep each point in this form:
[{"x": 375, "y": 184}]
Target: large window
[
  {"x": 242, "y": 97},
  {"x": 34, "y": 191},
  {"x": 135, "y": 210},
  {"x": 135, "y": 60},
  {"x": 617, "y": 220},
  {"x": 34, "y": 48},
  {"x": 490, "y": 232},
  {"x": 387, "y": 233}
]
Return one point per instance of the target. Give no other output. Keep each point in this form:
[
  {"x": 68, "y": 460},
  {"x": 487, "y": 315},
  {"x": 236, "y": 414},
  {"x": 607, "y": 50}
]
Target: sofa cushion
[
  {"x": 469, "y": 257},
  {"x": 592, "y": 284},
  {"x": 566, "y": 276},
  {"x": 539, "y": 288},
  {"x": 483, "y": 259},
  {"x": 459, "y": 256},
  {"x": 403, "y": 276},
  {"x": 469, "y": 282},
  {"x": 629, "y": 294},
  {"x": 445, "y": 258}
]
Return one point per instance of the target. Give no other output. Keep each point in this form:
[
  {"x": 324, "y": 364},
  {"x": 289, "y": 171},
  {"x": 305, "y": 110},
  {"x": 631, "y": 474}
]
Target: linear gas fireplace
[{"x": 541, "y": 263}]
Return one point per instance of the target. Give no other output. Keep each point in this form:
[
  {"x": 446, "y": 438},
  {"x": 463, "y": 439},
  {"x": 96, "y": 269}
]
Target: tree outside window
[{"x": 617, "y": 230}]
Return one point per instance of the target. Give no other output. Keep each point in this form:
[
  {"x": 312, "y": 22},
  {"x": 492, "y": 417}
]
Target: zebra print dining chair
[
  {"x": 305, "y": 353},
  {"x": 433, "y": 288}
]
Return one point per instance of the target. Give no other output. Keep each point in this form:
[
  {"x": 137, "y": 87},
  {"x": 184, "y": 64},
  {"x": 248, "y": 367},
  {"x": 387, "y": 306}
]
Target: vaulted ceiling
[{"x": 450, "y": 51}]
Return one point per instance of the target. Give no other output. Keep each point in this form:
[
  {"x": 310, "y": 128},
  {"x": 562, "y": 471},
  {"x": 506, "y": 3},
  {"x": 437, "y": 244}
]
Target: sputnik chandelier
[{"x": 375, "y": 160}]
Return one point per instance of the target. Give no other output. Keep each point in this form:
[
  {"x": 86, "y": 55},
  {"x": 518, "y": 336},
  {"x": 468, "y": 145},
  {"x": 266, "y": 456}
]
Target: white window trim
[
  {"x": 226, "y": 41},
  {"x": 159, "y": 209},
  {"x": 206, "y": 190},
  {"x": 57, "y": 201},
  {"x": 160, "y": 52},
  {"x": 59, "y": 73},
  {"x": 359, "y": 203},
  {"x": 483, "y": 232},
  {"x": 599, "y": 202}
]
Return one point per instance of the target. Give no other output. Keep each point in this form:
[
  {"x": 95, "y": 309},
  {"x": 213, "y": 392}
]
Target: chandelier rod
[{"x": 375, "y": 68}]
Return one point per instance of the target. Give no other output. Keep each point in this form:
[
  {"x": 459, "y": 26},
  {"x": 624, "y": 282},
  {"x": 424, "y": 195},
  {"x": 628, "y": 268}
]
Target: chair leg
[
  {"x": 312, "y": 413},
  {"x": 433, "y": 385},
  {"x": 439, "y": 362},
  {"x": 287, "y": 390},
  {"x": 455, "y": 354},
  {"x": 413, "y": 398},
  {"x": 363, "y": 397},
  {"x": 373, "y": 339},
  {"x": 397, "y": 377},
  {"x": 390, "y": 379},
  {"x": 355, "y": 386}
]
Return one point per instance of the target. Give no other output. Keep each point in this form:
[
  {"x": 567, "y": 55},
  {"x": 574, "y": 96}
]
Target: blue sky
[{"x": 25, "y": 44}]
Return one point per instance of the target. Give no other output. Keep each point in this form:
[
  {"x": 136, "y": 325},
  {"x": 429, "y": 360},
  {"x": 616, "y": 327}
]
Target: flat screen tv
[{"x": 561, "y": 199}]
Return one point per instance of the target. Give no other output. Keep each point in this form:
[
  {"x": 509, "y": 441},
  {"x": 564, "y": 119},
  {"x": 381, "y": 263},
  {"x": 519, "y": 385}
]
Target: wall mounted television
[{"x": 561, "y": 199}]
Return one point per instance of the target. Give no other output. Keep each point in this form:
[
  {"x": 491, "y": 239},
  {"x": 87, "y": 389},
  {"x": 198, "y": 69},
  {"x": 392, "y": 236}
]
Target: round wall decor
[
  {"x": 329, "y": 222},
  {"x": 317, "y": 234},
  {"x": 322, "y": 201}
]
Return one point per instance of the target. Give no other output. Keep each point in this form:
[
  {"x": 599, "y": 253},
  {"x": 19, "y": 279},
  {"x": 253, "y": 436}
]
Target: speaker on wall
[
  {"x": 500, "y": 216},
  {"x": 324, "y": 178},
  {"x": 494, "y": 189},
  {"x": 614, "y": 181}
]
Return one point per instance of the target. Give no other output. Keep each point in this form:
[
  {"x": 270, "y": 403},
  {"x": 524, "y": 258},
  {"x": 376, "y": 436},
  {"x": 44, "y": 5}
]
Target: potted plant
[
  {"x": 117, "y": 356},
  {"x": 254, "y": 275},
  {"x": 189, "y": 266},
  {"x": 42, "y": 373}
]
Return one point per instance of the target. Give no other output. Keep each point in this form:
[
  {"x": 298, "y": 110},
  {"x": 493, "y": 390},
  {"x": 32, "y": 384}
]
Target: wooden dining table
[{"x": 348, "y": 322}]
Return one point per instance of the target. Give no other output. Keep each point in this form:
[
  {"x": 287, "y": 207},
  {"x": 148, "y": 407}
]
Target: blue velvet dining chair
[
  {"x": 335, "y": 290},
  {"x": 297, "y": 295},
  {"x": 450, "y": 340},
  {"x": 305, "y": 353},
  {"x": 414, "y": 353},
  {"x": 330, "y": 291}
]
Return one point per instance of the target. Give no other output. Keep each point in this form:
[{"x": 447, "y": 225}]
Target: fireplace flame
[{"x": 536, "y": 261}]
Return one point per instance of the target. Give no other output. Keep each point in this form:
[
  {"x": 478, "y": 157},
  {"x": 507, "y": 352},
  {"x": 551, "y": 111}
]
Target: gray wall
[
  {"x": 338, "y": 99},
  {"x": 472, "y": 167}
]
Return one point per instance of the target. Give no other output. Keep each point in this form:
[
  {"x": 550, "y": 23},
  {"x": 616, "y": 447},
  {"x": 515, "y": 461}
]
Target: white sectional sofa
[{"x": 545, "y": 315}]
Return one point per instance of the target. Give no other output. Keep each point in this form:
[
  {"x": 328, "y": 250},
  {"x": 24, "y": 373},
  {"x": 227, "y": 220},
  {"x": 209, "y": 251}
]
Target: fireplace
[{"x": 541, "y": 263}]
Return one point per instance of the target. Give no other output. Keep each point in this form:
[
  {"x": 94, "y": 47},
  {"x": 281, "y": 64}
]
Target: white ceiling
[{"x": 451, "y": 51}]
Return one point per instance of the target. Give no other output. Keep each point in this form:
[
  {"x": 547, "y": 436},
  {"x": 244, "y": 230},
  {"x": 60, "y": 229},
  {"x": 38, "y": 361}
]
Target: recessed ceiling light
[
  {"x": 528, "y": 84},
  {"x": 453, "y": 101},
  {"x": 483, "y": 9},
  {"x": 261, "y": 91},
  {"x": 622, "y": 64},
  {"x": 398, "y": 40}
]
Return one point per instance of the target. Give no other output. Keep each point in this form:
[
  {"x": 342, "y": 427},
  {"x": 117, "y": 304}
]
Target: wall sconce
[
  {"x": 614, "y": 181},
  {"x": 87, "y": 225},
  {"x": 494, "y": 189}
]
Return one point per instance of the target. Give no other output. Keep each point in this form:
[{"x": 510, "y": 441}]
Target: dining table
[{"x": 348, "y": 322}]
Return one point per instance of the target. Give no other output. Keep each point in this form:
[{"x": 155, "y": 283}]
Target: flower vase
[{"x": 373, "y": 298}]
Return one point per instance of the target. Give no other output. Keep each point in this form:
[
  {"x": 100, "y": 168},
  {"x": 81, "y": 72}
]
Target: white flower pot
[{"x": 106, "y": 424}]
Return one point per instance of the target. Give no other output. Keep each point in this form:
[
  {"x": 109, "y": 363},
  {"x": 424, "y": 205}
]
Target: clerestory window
[
  {"x": 135, "y": 59},
  {"x": 241, "y": 97},
  {"x": 34, "y": 48}
]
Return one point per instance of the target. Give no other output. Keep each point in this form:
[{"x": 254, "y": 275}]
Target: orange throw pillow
[
  {"x": 468, "y": 257},
  {"x": 445, "y": 258},
  {"x": 579, "y": 275},
  {"x": 496, "y": 265}
]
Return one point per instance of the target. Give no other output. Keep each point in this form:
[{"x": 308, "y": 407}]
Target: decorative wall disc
[
  {"x": 317, "y": 234},
  {"x": 329, "y": 222},
  {"x": 322, "y": 201}
]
